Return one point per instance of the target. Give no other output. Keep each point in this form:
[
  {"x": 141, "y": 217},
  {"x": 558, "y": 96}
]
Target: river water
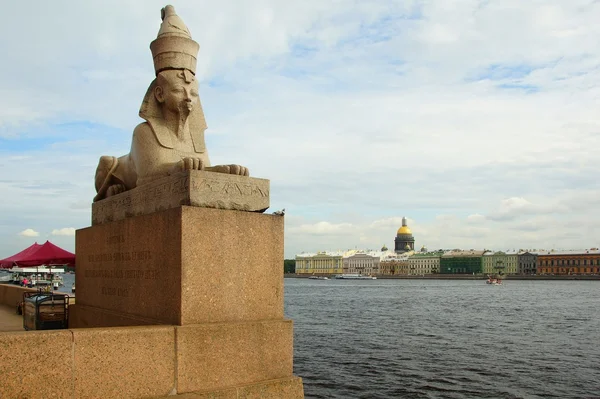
[
  {"x": 68, "y": 280},
  {"x": 445, "y": 339}
]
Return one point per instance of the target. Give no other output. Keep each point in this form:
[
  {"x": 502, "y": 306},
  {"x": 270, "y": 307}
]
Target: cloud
[
  {"x": 516, "y": 207},
  {"x": 511, "y": 208},
  {"x": 324, "y": 228},
  {"x": 475, "y": 218},
  {"x": 66, "y": 231},
  {"x": 29, "y": 233}
]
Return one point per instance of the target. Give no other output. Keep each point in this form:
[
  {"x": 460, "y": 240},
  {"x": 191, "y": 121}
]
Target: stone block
[
  {"x": 220, "y": 394},
  {"x": 81, "y": 316},
  {"x": 36, "y": 364},
  {"x": 130, "y": 362},
  {"x": 194, "y": 188},
  {"x": 232, "y": 266},
  {"x": 283, "y": 388},
  {"x": 288, "y": 388},
  {"x": 184, "y": 265},
  {"x": 131, "y": 266},
  {"x": 12, "y": 295},
  {"x": 222, "y": 355}
]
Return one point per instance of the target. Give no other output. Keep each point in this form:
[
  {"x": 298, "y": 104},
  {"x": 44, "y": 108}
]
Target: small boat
[
  {"x": 493, "y": 281},
  {"x": 318, "y": 278},
  {"x": 354, "y": 276},
  {"x": 73, "y": 288}
]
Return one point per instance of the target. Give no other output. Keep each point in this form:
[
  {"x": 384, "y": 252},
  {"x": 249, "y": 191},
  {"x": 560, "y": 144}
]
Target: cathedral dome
[
  {"x": 404, "y": 240},
  {"x": 404, "y": 230}
]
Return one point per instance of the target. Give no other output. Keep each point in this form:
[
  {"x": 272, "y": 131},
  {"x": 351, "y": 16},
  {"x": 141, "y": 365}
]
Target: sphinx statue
[{"x": 172, "y": 137}]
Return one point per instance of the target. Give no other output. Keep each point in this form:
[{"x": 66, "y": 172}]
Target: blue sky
[{"x": 478, "y": 120}]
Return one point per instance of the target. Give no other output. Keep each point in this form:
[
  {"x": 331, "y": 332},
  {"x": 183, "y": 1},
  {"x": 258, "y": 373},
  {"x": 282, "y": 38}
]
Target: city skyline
[{"x": 477, "y": 120}]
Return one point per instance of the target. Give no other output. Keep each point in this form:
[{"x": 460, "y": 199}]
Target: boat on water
[
  {"x": 493, "y": 281},
  {"x": 354, "y": 276},
  {"x": 318, "y": 278},
  {"x": 73, "y": 288}
]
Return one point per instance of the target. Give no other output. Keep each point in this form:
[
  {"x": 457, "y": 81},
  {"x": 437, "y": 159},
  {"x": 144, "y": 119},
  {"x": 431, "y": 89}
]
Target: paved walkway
[{"x": 10, "y": 320}]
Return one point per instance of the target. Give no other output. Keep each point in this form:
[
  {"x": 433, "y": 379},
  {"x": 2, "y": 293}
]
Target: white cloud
[
  {"x": 29, "y": 233},
  {"x": 322, "y": 228},
  {"x": 475, "y": 218},
  {"x": 66, "y": 231}
]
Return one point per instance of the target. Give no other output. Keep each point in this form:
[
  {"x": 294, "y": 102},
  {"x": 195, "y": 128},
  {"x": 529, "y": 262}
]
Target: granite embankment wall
[
  {"x": 149, "y": 361},
  {"x": 11, "y": 295},
  {"x": 229, "y": 360}
]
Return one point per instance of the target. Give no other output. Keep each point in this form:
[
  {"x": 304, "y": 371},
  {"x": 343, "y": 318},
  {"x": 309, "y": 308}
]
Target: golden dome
[{"x": 404, "y": 230}]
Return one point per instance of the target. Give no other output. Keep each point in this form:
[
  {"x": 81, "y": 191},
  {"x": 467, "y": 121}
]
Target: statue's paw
[
  {"x": 230, "y": 170},
  {"x": 115, "y": 189},
  {"x": 191, "y": 164},
  {"x": 238, "y": 170}
]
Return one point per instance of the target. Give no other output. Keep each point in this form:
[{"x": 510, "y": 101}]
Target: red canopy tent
[
  {"x": 9, "y": 262},
  {"x": 36, "y": 255}
]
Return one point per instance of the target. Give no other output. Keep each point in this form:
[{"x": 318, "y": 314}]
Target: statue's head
[{"x": 176, "y": 90}]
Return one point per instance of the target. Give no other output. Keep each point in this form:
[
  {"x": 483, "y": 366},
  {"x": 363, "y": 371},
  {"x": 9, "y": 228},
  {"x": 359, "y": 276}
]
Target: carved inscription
[
  {"x": 120, "y": 256},
  {"x": 228, "y": 187},
  {"x": 122, "y": 274},
  {"x": 112, "y": 291}
]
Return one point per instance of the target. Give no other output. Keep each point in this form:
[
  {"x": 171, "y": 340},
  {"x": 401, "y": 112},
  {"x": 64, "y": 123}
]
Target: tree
[{"x": 289, "y": 265}]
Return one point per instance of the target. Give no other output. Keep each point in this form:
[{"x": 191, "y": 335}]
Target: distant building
[
  {"x": 404, "y": 240},
  {"x": 461, "y": 262},
  {"x": 500, "y": 262},
  {"x": 392, "y": 264},
  {"x": 319, "y": 263},
  {"x": 527, "y": 263},
  {"x": 584, "y": 261},
  {"x": 425, "y": 262},
  {"x": 361, "y": 263}
]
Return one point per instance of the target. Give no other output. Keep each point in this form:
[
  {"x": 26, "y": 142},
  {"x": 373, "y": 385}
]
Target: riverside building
[
  {"x": 560, "y": 263},
  {"x": 527, "y": 263},
  {"x": 361, "y": 263},
  {"x": 461, "y": 262},
  {"x": 319, "y": 263},
  {"x": 425, "y": 262},
  {"x": 393, "y": 264},
  {"x": 500, "y": 262}
]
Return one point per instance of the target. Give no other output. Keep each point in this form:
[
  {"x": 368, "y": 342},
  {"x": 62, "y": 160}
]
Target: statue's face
[{"x": 177, "y": 90}]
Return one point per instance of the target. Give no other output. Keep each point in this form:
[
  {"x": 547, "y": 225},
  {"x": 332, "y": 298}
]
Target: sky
[{"x": 478, "y": 120}]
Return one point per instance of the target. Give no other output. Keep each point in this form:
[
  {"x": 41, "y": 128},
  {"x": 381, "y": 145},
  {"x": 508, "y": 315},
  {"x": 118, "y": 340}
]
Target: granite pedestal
[
  {"x": 215, "y": 276},
  {"x": 180, "y": 266}
]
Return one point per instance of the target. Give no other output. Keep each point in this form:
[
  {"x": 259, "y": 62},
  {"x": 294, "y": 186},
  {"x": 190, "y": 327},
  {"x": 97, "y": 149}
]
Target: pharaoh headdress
[{"x": 173, "y": 49}]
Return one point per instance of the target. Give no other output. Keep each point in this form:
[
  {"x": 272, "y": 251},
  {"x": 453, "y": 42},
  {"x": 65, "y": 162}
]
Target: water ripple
[{"x": 445, "y": 339}]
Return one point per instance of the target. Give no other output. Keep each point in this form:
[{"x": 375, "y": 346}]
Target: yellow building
[
  {"x": 500, "y": 262},
  {"x": 320, "y": 263},
  {"x": 392, "y": 264}
]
